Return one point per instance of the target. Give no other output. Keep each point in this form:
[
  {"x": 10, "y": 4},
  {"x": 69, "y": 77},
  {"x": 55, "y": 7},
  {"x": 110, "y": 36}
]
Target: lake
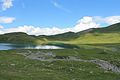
[{"x": 8, "y": 46}]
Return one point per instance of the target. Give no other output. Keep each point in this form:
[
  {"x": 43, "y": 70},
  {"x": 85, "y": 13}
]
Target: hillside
[
  {"x": 60, "y": 37},
  {"x": 17, "y": 37},
  {"x": 108, "y": 34},
  {"x": 110, "y": 29},
  {"x": 115, "y": 28}
]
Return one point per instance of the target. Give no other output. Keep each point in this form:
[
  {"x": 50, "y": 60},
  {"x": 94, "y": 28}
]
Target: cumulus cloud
[
  {"x": 112, "y": 19},
  {"x": 35, "y": 30},
  {"x": 6, "y": 19},
  {"x": 86, "y": 22},
  {"x": 6, "y": 4},
  {"x": 95, "y": 22},
  {"x": 107, "y": 20}
]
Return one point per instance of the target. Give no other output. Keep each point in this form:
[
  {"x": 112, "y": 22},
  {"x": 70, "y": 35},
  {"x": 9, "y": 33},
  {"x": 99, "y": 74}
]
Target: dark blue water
[{"x": 8, "y": 46}]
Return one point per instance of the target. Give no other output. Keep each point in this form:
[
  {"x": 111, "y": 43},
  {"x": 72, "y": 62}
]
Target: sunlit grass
[{"x": 97, "y": 38}]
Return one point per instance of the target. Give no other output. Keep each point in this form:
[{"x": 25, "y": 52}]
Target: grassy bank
[{"x": 14, "y": 66}]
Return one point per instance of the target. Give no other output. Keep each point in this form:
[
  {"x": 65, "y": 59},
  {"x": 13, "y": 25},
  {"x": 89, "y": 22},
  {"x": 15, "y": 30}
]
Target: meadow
[{"x": 57, "y": 64}]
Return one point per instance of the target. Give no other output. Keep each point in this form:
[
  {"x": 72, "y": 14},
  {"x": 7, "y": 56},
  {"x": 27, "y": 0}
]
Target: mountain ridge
[{"x": 21, "y": 37}]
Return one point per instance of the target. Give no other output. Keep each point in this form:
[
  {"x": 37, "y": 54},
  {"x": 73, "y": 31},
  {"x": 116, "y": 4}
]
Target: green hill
[
  {"x": 60, "y": 37},
  {"x": 94, "y": 38},
  {"x": 115, "y": 28},
  {"x": 110, "y": 34},
  {"x": 110, "y": 29},
  {"x": 17, "y": 37}
]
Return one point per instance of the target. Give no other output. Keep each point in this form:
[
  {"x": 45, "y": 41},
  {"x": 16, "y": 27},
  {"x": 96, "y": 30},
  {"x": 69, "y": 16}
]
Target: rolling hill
[
  {"x": 110, "y": 34},
  {"x": 17, "y": 37},
  {"x": 115, "y": 28},
  {"x": 60, "y": 37},
  {"x": 106, "y": 35}
]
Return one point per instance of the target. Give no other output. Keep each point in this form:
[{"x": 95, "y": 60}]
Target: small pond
[{"x": 8, "y": 46}]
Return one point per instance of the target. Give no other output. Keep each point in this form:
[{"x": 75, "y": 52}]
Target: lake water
[{"x": 7, "y": 46}]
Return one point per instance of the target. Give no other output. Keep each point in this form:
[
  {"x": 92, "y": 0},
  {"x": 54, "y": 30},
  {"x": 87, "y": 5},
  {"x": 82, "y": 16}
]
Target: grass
[
  {"x": 88, "y": 46},
  {"x": 97, "y": 38},
  {"x": 14, "y": 66}
]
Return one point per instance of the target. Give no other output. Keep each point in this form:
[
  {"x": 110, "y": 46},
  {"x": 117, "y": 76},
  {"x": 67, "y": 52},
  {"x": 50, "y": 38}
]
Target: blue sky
[{"x": 57, "y": 13}]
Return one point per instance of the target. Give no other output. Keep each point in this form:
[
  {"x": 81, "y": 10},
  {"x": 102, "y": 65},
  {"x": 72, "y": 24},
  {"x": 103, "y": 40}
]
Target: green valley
[{"x": 93, "y": 54}]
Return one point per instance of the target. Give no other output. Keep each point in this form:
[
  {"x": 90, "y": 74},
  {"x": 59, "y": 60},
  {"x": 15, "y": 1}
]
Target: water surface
[{"x": 8, "y": 46}]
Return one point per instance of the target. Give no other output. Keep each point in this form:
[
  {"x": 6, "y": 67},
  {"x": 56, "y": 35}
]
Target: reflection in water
[
  {"x": 43, "y": 47},
  {"x": 4, "y": 46}
]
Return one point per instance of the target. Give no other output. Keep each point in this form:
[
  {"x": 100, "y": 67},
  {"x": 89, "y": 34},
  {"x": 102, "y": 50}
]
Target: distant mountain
[
  {"x": 110, "y": 34},
  {"x": 61, "y": 37},
  {"x": 110, "y": 29},
  {"x": 17, "y": 37},
  {"x": 71, "y": 35}
]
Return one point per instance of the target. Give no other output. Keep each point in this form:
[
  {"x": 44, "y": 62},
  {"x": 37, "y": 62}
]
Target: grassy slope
[
  {"x": 17, "y": 67},
  {"x": 109, "y": 34},
  {"x": 17, "y": 37},
  {"x": 97, "y": 38},
  {"x": 115, "y": 28},
  {"x": 60, "y": 37}
]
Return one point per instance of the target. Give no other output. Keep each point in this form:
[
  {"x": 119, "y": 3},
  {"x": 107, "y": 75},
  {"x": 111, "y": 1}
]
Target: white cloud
[
  {"x": 6, "y": 19},
  {"x": 1, "y": 27},
  {"x": 35, "y": 30},
  {"x": 107, "y": 20},
  {"x": 112, "y": 19},
  {"x": 7, "y": 4},
  {"x": 95, "y": 22},
  {"x": 85, "y": 23},
  {"x": 56, "y": 4},
  {"x": 59, "y": 6},
  {"x": 82, "y": 24}
]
